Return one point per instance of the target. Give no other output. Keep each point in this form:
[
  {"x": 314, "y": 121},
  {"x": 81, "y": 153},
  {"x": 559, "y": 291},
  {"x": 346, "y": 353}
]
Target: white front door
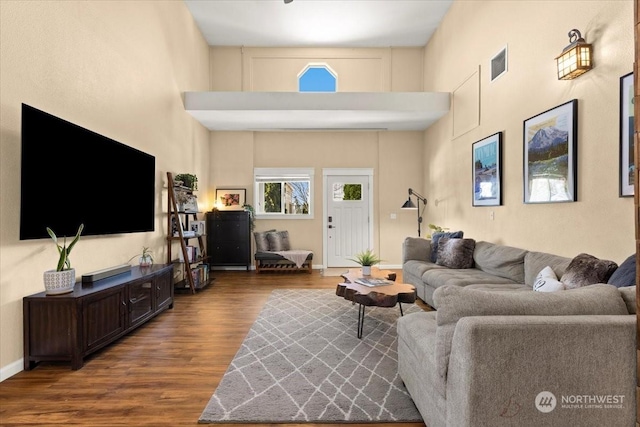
[{"x": 348, "y": 221}]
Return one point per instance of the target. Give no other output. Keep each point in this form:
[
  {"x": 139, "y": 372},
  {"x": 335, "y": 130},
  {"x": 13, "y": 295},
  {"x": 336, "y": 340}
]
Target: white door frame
[{"x": 326, "y": 172}]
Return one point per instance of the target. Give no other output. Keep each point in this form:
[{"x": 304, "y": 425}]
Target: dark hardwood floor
[{"x": 162, "y": 374}]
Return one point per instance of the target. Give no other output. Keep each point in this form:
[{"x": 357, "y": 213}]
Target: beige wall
[
  {"x": 600, "y": 222},
  {"x": 395, "y": 157},
  {"x": 117, "y": 68}
]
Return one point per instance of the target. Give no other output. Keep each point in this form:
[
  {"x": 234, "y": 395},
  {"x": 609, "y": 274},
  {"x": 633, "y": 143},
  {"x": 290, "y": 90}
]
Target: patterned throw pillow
[
  {"x": 547, "y": 281},
  {"x": 585, "y": 270},
  {"x": 262, "y": 243},
  {"x": 435, "y": 239},
  {"x": 279, "y": 241},
  {"x": 456, "y": 253}
]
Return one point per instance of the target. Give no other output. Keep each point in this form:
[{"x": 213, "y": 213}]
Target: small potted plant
[
  {"x": 188, "y": 180},
  {"x": 145, "y": 259},
  {"x": 63, "y": 278},
  {"x": 366, "y": 259}
]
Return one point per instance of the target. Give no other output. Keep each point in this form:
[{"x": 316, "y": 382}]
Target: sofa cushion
[
  {"x": 547, "y": 281},
  {"x": 435, "y": 239},
  {"x": 629, "y": 296},
  {"x": 534, "y": 262},
  {"x": 460, "y": 277},
  {"x": 499, "y": 287},
  {"x": 455, "y": 253},
  {"x": 585, "y": 270},
  {"x": 416, "y": 249},
  {"x": 625, "y": 275},
  {"x": 418, "y": 268},
  {"x": 455, "y": 303},
  {"x": 500, "y": 260}
]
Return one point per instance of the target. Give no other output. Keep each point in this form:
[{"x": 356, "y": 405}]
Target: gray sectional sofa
[
  {"x": 495, "y": 267},
  {"x": 496, "y": 353}
]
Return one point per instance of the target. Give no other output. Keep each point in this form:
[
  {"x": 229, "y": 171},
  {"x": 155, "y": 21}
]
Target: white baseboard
[{"x": 11, "y": 369}]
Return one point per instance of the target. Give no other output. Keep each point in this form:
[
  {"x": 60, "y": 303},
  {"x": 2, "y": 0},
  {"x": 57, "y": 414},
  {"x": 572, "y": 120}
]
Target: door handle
[{"x": 332, "y": 226}]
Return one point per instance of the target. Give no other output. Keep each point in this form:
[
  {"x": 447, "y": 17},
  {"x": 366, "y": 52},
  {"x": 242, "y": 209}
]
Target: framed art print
[
  {"x": 550, "y": 155},
  {"x": 487, "y": 171},
  {"x": 230, "y": 198},
  {"x": 627, "y": 162}
]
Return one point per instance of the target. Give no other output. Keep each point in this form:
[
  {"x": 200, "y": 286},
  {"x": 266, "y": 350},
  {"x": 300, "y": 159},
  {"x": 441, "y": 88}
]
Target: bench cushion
[{"x": 272, "y": 256}]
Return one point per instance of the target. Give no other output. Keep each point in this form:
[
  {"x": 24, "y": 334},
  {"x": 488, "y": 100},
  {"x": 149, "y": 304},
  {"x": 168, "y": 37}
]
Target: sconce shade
[{"x": 575, "y": 59}]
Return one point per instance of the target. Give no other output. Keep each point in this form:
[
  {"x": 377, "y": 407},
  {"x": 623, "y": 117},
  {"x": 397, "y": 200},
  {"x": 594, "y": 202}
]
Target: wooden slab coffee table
[{"x": 387, "y": 295}]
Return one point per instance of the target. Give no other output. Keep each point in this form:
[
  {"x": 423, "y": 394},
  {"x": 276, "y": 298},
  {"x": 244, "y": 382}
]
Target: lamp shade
[
  {"x": 409, "y": 205},
  {"x": 575, "y": 59}
]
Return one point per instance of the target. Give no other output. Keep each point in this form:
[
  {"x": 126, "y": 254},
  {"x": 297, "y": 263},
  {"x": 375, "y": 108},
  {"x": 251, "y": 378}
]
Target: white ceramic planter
[
  {"x": 366, "y": 270},
  {"x": 59, "y": 282}
]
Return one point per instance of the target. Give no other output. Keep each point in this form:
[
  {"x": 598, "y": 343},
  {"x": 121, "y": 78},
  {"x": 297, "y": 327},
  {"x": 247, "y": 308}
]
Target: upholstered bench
[
  {"x": 274, "y": 253},
  {"x": 271, "y": 261}
]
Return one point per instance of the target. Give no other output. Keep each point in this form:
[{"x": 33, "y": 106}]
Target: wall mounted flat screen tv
[{"x": 71, "y": 176}]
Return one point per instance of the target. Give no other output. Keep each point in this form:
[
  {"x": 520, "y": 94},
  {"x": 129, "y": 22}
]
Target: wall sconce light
[
  {"x": 575, "y": 58},
  {"x": 410, "y": 205}
]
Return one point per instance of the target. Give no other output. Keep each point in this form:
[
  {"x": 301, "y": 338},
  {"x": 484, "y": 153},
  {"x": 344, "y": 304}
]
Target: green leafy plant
[
  {"x": 366, "y": 258},
  {"x": 146, "y": 254},
  {"x": 188, "y": 180},
  {"x": 63, "y": 250},
  {"x": 252, "y": 214},
  {"x": 436, "y": 229}
]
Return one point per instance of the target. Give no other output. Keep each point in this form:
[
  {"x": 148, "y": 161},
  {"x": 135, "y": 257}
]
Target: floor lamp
[{"x": 410, "y": 205}]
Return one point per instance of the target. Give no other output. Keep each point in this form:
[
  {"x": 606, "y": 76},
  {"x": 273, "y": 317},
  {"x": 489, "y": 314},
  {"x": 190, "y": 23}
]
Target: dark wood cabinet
[
  {"x": 229, "y": 238},
  {"x": 69, "y": 327}
]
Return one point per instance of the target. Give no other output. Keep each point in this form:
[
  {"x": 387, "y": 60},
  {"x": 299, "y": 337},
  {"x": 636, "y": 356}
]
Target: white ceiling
[
  {"x": 320, "y": 23},
  {"x": 317, "y": 23}
]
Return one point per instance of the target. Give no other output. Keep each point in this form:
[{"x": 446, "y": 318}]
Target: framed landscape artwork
[
  {"x": 550, "y": 154},
  {"x": 487, "y": 171},
  {"x": 230, "y": 198},
  {"x": 627, "y": 166}
]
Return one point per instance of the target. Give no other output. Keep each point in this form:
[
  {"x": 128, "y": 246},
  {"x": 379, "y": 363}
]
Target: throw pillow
[
  {"x": 585, "y": 270},
  {"x": 547, "y": 281},
  {"x": 455, "y": 302},
  {"x": 435, "y": 239},
  {"x": 455, "y": 253},
  {"x": 262, "y": 243},
  {"x": 279, "y": 241},
  {"x": 625, "y": 275}
]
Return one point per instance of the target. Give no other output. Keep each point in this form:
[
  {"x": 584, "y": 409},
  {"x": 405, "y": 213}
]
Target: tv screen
[{"x": 71, "y": 176}]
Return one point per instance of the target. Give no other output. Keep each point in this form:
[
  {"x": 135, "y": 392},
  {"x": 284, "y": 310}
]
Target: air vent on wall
[{"x": 499, "y": 64}]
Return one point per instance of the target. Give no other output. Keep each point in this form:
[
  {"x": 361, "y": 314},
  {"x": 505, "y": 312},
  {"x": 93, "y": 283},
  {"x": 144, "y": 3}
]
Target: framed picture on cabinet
[
  {"x": 550, "y": 155},
  {"x": 198, "y": 227},
  {"x": 627, "y": 161},
  {"x": 230, "y": 198},
  {"x": 487, "y": 171}
]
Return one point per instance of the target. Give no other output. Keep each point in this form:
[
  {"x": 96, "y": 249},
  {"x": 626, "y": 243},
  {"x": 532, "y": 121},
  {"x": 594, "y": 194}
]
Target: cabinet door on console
[
  {"x": 164, "y": 289},
  {"x": 140, "y": 301},
  {"x": 104, "y": 317}
]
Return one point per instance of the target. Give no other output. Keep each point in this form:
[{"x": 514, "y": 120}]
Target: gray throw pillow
[
  {"x": 625, "y": 275},
  {"x": 262, "y": 243},
  {"x": 279, "y": 241},
  {"x": 435, "y": 239},
  {"x": 455, "y": 253},
  {"x": 586, "y": 270}
]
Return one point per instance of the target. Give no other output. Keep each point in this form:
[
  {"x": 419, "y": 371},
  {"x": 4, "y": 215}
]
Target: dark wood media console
[{"x": 71, "y": 326}]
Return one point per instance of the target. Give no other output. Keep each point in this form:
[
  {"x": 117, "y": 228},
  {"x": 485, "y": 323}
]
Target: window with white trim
[{"x": 283, "y": 193}]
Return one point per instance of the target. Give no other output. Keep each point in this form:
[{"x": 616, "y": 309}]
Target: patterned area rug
[{"x": 302, "y": 362}]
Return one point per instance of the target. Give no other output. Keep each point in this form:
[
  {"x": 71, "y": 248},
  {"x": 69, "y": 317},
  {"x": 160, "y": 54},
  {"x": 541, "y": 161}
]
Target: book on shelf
[{"x": 373, "y": 281}]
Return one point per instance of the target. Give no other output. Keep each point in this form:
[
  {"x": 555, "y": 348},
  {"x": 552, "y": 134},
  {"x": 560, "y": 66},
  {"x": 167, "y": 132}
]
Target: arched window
[{"x": 317, "y": 77}]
